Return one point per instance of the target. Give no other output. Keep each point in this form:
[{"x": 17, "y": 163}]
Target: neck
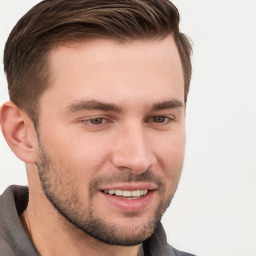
[{"x": 52, "y": 234}]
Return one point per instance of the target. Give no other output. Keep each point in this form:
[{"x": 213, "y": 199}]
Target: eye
[
  {"x": 160, "y": 122},
  {"x": 160, "y": 119},
  {"x": 95, "y": 121}
]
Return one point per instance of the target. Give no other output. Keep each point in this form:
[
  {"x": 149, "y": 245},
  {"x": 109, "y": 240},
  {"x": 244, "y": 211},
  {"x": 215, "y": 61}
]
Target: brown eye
[
  {"x": 97, "y": 121},
  {"x": 159, "y": 119}
]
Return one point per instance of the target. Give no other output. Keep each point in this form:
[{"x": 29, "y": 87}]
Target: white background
[{"x": 214, "y": 211}]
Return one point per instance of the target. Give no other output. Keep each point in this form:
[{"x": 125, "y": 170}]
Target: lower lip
[{"x": 130, "y": 205}]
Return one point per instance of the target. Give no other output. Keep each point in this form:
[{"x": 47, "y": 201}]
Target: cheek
[
  {"x": 76, "y": 149},
  {"x": 90, "y": 154},
  {"x": 170, "y": 154},
  {"x": 171, "y": 163}
]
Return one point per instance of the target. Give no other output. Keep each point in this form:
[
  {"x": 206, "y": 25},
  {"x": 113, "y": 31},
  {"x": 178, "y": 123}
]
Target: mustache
[{"x": 126, "y": 177}]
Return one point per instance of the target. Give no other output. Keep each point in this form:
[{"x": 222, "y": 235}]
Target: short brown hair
[{"x": 56, "y": 21}]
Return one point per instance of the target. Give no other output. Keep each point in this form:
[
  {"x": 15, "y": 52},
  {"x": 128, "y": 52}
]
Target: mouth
[
  {"x": 127, "y": 194},
  {"x": 129, "y": 198}
]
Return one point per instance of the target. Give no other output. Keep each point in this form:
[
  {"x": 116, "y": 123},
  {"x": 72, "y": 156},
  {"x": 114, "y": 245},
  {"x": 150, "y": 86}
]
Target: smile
[{"x": 126, "y": 194}]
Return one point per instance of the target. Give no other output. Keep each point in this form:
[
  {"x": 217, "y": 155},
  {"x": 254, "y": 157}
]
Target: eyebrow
[
  {"x": 169, "y": 104},
  {"x": 92, "y": 105},
  {"x": 97, "y": 105}
]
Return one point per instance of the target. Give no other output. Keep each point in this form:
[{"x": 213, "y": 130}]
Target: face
[{"x": 112, "y": 135}]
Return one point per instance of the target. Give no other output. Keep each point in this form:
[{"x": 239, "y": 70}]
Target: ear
[{"x": 19, "y": 132}]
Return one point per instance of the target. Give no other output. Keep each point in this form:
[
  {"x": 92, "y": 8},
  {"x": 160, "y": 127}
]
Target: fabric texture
[{"x": 15, "y": 241}]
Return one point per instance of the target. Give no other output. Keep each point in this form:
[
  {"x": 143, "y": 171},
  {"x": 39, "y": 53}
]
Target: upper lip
[{"x": 130, "y": 186}]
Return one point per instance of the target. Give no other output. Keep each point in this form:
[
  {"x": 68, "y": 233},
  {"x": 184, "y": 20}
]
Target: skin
[{"x": 78, "y": 145}]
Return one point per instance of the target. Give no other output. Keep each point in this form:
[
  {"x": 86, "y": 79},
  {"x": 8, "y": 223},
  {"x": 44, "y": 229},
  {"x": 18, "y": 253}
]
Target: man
[{"x": 98, "y": 91}]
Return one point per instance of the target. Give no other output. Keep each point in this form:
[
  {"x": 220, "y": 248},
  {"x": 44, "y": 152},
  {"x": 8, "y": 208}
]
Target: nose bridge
[{"x": 132, "y": 150}]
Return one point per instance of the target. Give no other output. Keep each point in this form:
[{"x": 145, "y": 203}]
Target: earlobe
[{"x": 17, "y": 129}]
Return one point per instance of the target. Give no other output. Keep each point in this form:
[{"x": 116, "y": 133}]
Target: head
[
  {"x": 51, "y": 23},
  {"x": 105, "y": 84}
]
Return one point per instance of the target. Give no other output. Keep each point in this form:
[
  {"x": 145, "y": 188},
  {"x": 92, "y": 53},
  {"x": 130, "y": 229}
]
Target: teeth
[
  {"x": 118, "y": 192},
  {"x": 111, "y": 192},
  {"x": 135, "y": 193},
  {"x": 126, "y": 193}
]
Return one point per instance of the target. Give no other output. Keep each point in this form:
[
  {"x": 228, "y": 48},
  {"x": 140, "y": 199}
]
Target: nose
[{"x": 131, "y": 151}]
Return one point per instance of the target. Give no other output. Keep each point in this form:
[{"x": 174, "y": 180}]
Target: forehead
[
  {"x": 102, "y": 68},
  {"x": 130, "y": 53}
]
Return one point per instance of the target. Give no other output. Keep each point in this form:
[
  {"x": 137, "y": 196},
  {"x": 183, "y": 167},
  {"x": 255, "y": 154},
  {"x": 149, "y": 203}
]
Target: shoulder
[
  {"x": 157, "y": 245},
  {"x": 180, "y": 253},
  {"x": 13, "y": 238}
]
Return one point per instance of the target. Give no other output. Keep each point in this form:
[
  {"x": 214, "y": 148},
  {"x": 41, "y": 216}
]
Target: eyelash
[
  {"x": 166, "y": 120},
  {"x": 93, "y": 119},
  {"x": 163, "y": 120}
]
